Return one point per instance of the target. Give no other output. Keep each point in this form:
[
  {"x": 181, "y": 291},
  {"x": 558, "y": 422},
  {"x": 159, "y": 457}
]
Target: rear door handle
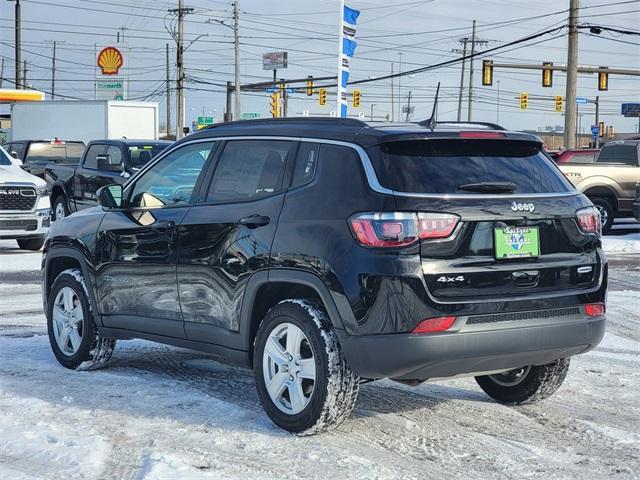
[
  {"x": 163, "y": 225},
  {"x": 255, "y": 221}
]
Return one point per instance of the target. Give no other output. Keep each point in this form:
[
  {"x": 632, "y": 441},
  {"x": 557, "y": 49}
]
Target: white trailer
[{"x": 84, "y": 120}]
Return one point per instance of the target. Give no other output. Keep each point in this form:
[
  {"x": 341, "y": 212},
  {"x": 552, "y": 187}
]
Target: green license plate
[{"x": 517, "y": 242}]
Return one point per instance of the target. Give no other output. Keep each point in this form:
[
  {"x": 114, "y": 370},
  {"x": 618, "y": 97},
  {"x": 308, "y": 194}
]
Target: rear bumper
[{"x": 419, "y": 357}]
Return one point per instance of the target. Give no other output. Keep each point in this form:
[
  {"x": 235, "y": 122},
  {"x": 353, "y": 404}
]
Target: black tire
[
  {"x": 605, "y": 207},
  {"x": 34, "y": 244},
  {"x": 94, "y": 350},
  {"x": 335, "y": 388},
  {"x": 536, "y": 383},
  {"x": 60, "y": 202}
]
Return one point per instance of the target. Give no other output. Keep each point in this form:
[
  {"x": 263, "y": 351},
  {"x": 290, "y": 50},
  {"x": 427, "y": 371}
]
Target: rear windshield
[
  {"x": 67, "y": 152},
  {"x": 139, "y": 154},
  {"x": 627, "y": 154},
  {"x": 441, "y": 166}
]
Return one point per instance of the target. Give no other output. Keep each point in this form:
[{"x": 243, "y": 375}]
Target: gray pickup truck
[{"x": 610, "y": 181}]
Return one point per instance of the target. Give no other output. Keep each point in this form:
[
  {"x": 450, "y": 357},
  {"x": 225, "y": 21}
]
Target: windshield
[
  {"x": 140, "y": 154},
  {"x": 4, "y": 157},
  {"x": 443, "y": 166},
  {"x": 63, "y": 152}
]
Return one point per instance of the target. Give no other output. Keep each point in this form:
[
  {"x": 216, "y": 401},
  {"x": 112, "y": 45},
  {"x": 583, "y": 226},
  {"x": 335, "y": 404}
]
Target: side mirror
[
  {"x": 105, "y": 162},
  {"x": 14, "y": 154},
  {"x": 110, "y": 196}
]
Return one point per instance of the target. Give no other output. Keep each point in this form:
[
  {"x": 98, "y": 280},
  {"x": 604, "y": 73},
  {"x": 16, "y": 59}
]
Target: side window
[
  {"x": 171, "y": 181},
  {"x": 115, "y": 155},
  {"x": 15, "y": 150},
  {"x": 249, "y": 169},
  {"x": 90, "y": 160},
  {"x": 305, "y": 164}
]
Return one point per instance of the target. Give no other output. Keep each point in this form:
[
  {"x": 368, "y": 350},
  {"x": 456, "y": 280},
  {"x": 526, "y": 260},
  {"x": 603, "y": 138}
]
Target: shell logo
[{"x": 110, "y": 60}]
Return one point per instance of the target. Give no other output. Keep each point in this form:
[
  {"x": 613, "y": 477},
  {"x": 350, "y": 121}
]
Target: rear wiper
[{"x": 489, "y": 187}]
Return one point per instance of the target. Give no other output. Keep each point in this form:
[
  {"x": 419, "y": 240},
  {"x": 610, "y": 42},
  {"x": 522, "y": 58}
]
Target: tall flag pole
[{"x": 346, "y": 48}]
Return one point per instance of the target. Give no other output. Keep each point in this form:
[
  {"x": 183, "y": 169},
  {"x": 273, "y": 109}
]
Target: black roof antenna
[{"x": 431, "y": 122}]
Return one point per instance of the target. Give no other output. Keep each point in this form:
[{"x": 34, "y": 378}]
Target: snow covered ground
[{"x": 162, "y": 413}]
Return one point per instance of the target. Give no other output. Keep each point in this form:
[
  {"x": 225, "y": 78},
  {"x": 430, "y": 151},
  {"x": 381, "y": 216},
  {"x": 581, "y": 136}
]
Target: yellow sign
[
  {"x": 7, "y": 95},
  {"x": 110, "y": 60}
]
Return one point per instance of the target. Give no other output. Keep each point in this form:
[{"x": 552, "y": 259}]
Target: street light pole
[
  {"x": 236, "y": 39},
  {"x": 18, "y": 46}
]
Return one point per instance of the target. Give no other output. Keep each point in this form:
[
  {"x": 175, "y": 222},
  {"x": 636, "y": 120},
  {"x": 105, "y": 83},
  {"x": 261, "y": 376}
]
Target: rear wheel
[
  {"x": 527, "y": 384},
  {"x": 607, "y": 212},
  {"x": 60, "y": 208},
  {"x": 34, "y": 244},
  {"x": 303, "y": 380}
]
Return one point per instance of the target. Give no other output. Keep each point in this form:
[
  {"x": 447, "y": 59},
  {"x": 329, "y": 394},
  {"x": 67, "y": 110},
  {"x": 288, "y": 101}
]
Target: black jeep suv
[{"x": 327, "y": 252}]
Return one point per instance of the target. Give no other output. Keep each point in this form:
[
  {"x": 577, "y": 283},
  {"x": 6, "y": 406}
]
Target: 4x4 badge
[{"x": 522, "y": 207}]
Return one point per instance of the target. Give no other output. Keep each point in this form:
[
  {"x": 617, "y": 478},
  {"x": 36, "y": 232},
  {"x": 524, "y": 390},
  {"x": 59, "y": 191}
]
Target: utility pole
[
  {"x": 474, "y": 42},
  {"x": 181, "y": 11},
  {"x": 2, "y": 72},
  {"x": 236, "y": 39},
  {"x": 227, "y": 114},
  {"x": 463, "y": 41},
  {"x": 53, "y": 72},
  {"x": 393, "y": 115},
  {"x": 18, "y": 46},
  {"x": 24, "y": 75},
  {"x": 408, "y": 107},
  {"x": 597, "y": 102},
  {"x": 572, "y": 76},
  {"x": 399, "y": 89},
  {"x": 168, "y": 92}
]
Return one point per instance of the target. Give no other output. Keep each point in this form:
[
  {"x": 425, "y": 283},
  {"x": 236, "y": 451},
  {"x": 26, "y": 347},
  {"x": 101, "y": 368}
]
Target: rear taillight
[
  {"x": 595, "y": 309},
  {"x": 400, "y": 229},
  {"x": 589, "y": 220},
  {"x": 432, "y": 325}
]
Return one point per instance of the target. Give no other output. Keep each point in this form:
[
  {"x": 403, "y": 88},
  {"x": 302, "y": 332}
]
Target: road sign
[
  {"x": 631, "y": 109},
  {"x": 582, "y": 100},
  {"x": 249, "y": 115},
  {"x": 595, "y": 129},
  {"x": 278, "y": 89},
  {"x": 205, "y": 120},
  {"x": 274, "y": 60}
]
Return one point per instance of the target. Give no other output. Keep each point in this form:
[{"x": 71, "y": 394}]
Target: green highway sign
[
  {"x": 205, "y": 120},
  {"x": 249, "y": 115}
]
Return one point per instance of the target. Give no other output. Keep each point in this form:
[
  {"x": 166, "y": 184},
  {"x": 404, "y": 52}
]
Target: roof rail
[
  {"x": 492, "y": 126},
  {"x": 336, "y": 121}
]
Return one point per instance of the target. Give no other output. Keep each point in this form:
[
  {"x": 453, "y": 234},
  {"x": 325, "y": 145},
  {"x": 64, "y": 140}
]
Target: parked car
[
  {"x": 36, "y": 154},
  {"x": 73, "y": 187},
  {"x": 583, "y": 155},
  {"x": 610, "y": 182},
  {"x": 325, "y": 252},
  {"x": 24, "y": 205},
  {"x": 636, "y": 204}
]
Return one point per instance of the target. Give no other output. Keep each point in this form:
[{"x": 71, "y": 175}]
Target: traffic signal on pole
[
  {"x": 487, "y": 73},
  {"x": 601, "y": 129},
  {"x": 559, "y": 103},
  {"x": 547, "y": 74},
  {"x": 356, "y": 98},
  {"x": 322, "y": 96},
  {"x": 603, "y": 80},
  {"x": 309, "y": 86},
  {"x": 610, "y": 132},
  {"x": 524, "y": 101},
  {"x": 274, "y": 105}
]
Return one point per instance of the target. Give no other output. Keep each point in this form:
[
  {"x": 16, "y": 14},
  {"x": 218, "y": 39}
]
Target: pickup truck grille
[
  {"x": 25, "y": 225},
  {"x": 17, "y": 198}
]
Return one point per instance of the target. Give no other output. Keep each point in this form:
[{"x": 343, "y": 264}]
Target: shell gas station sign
[{"x": 111, "y": 81}]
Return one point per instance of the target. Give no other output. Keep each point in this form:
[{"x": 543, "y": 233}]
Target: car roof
[
  {"x": 128, "y": 141},
  {"x": 351, "y": 130}
]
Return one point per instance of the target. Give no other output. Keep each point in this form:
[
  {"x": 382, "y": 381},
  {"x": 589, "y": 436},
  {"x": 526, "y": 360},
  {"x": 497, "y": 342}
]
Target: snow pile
[{"x": 622, "y": 244}]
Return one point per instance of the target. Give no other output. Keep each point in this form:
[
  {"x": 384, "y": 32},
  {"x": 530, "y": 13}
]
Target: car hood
[{"x": 10, "y": 174}]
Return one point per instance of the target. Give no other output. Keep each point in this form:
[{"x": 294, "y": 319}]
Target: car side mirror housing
[
  {"x": 105, "y": 162},
  {"x": 110, "y": 197}
]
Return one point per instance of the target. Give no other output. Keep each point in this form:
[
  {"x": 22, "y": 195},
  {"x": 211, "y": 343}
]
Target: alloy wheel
[
  {"x": 289, "y": 368},
  {"x": 60, "y": 213},
  {"x": 68, "y": 321},
  {"x": 604, "y": 215}
]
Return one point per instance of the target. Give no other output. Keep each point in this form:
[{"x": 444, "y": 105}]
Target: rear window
[
  {"x": 440, "y": 166},
  {"x": 625, "y": 154},
  {"x": 69, "y": 152},
  {"x": 141, "y": 153}
]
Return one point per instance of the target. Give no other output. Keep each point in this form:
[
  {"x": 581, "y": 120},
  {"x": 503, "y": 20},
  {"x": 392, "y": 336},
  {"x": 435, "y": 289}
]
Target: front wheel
[
  {"x": 303, "y": 380},
  {"x": 527, "y": 384},
  {"x": 34, "y": 244},
  {"x": 60, "y": 208}
]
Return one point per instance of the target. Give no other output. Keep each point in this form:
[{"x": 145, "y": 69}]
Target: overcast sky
[{"x": 415, "y": 33}]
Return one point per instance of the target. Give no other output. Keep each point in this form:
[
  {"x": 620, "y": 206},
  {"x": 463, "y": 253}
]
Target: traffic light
[
  {"x": 610, "y": 132},
  {"x": 524, "y": 101},
  {"x": 559, "y": 103},
  {"x": 603, "y": 80},
  {"x": 274, "y": 105},
  {"x": 322, "y": 96},
  {"x": 487, "y": 73},
  {"x": 601, "y": 129},
  {"x": 547, "y": 74},
  {"x": 356, "y": 98},
  {"x": 309, "y": 86}
]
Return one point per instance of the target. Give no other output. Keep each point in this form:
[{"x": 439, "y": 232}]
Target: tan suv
[{"x": 610, "y": 181}]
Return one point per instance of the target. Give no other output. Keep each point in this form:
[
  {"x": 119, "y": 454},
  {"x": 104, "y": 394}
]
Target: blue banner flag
[
  {"x": 350, "y": 15},
  {"x": 347, "y": 48}
]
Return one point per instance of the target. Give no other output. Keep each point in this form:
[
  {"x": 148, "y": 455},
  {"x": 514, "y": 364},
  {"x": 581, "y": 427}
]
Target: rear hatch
[{"x": 520, "y": 229}]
